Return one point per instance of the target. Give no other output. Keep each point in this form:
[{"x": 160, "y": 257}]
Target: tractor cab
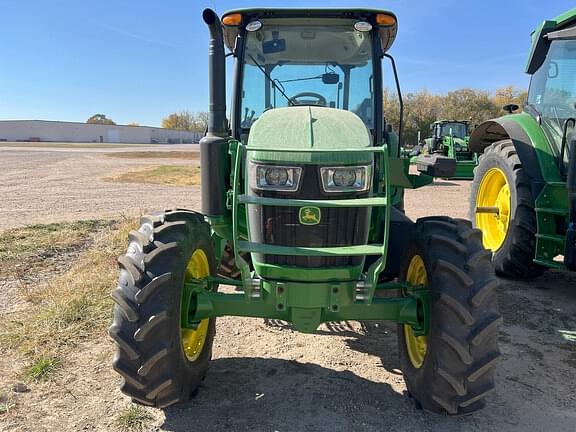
[
  {"x": 457, "y": 129},
  {"x": 552, "y": 93},
  {"x": 319, "y": 58},
  {"x": 450, "y": 138}
]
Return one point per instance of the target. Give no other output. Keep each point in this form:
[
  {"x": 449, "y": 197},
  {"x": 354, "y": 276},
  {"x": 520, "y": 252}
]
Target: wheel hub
[
  {"x": 416, "y": 346},
  {"x": 193, "y": 338}
]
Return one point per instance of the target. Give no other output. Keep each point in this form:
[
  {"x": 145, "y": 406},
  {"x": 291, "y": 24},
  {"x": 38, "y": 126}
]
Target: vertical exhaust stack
[{"x": 214, "y": 163}]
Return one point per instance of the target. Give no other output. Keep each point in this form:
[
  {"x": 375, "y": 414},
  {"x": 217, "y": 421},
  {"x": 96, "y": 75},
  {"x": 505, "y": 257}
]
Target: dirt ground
[
  {"x": 266, "y": 377},
  {"x": 40, "y": 184}
]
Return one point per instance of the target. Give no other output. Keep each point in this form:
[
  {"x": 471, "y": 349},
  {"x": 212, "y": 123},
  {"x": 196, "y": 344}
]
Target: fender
[{"x": 529, "y": 141}]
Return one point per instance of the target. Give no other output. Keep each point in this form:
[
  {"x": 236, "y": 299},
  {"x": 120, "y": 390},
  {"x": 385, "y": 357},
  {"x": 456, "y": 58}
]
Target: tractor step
[
  {"x": 554, "y": 211},
  {"x": 551, "y": 237}
]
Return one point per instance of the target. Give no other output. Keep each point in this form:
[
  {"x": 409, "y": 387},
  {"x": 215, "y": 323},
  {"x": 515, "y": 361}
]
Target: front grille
[{"x": 280, "y": 225}]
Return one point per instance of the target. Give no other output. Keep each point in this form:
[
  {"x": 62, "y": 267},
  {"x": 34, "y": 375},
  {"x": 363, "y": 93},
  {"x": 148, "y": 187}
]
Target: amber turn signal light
[
  {"x": 385, "y": 20},
  {"x": 234, "y": 19}
]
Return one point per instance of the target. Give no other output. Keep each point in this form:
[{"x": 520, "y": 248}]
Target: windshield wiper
[{"x": 271, "y": 80}]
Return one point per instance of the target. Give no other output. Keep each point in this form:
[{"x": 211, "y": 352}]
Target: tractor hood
[{"x": 310, "y": 127}]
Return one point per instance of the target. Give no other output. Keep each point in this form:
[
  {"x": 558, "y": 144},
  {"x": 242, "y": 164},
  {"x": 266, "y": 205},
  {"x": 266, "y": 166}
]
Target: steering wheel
[{"x": 320, "y": 100}]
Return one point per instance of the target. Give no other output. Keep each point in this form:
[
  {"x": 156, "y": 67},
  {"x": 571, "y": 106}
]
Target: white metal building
[{"x": 56, "y": 131}]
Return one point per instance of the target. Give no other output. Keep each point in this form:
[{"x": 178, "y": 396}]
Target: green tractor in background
[
  {"x": 305, "y": 187},
  {"x": 450, "y": 138},
  {"x": 524, "y": 191}
]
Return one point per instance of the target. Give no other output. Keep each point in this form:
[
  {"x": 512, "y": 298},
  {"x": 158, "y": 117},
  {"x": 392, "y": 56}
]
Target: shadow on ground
[
  {"x": 258, "y": 394},
  {"x": 266, "y": 394}
]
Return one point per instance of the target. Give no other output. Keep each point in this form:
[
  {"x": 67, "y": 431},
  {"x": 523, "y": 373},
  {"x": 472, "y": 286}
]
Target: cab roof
[
  {"x": 365, "y": 14},
  {"x": 541, "y": 41}
]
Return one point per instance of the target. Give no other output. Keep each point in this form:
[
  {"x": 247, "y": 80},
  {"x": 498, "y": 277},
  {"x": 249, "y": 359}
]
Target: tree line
[
  {"x": 421, "y": 109},
  {"x": 183, "y": 120}
]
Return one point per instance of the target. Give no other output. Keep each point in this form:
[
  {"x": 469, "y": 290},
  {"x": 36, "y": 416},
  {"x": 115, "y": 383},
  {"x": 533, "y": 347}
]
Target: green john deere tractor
[
  {"x": 524, "y": 191},
  {"x": 305, "y": 187},
  {"x": 450, "y": 138}
]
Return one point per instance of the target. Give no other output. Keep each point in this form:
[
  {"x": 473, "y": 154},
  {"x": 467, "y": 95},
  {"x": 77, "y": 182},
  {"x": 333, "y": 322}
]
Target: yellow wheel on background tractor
[
  {"x": 416, "y": 345},
  {"x": 502, "y": 207},
  {"x": 494, "y": 197}
]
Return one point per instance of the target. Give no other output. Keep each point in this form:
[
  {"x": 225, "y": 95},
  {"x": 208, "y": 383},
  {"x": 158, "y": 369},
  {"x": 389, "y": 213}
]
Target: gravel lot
[
  {"x": 266, "y": 377},
  {"x": 41, "y": 185}
]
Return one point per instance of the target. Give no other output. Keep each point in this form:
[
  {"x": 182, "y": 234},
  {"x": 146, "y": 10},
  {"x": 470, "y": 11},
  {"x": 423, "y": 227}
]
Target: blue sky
[{"x": 138, "y": 61}]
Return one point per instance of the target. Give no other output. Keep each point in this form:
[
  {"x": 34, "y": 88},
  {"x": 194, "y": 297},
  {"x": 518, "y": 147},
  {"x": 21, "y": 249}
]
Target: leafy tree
[
  {"x": 100, "y": 119},
  {"x": 510, "y": 94},
  {"x": 469, "y": 104},
  {"x": 422, "y": 108},
  {"x": 186, "y": 120}
]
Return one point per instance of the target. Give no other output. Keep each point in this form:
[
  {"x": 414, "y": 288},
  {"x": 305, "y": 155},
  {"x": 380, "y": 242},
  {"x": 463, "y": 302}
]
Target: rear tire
[
  {"x": 455, "y": 371},
  {"x": 150, "y": 356},
  {"x": 514, "y": 258}
]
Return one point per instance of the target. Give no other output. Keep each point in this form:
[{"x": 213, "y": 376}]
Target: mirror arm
[{"x": 401, "y": 122}]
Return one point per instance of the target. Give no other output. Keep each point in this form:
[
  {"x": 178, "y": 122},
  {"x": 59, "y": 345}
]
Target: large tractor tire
[
  {"x": 451, "y": 369},
  {"x": 160, "y": 362},
  {"x": 503, "y": 187}
]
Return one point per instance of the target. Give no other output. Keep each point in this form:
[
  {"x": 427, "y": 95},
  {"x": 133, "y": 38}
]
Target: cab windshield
[
  {"x": 290, "y": 62},
  {"x": 459, "y": 130},
  {"x": 553, "y": 91}
]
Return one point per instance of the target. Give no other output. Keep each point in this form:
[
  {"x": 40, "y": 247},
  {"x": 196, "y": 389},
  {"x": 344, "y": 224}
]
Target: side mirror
[
  {"x": 330, "y": 78},
  {"x": 510, "y": 108}
]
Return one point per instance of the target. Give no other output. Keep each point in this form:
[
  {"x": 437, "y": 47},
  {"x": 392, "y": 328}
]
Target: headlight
[
  {"x": 274, "y": 177},
  {"x": 457, "y": 147},
  {"x": 346, "y": 179}
]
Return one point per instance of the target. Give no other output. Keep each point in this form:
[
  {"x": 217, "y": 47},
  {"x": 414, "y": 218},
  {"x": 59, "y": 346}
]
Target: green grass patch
[
  {"x": 174, "y": 175},
  {"x": 43, "y": 368},
  {"x": 133, "y": 418},
  {"x": 188, "y": 155}
]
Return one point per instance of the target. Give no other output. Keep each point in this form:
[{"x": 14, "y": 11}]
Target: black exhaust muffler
[{"x": 214, "y": 159}]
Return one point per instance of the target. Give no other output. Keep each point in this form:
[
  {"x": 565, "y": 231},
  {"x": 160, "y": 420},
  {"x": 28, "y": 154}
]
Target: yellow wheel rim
[
  {"x": 416, "y": 346},
  {"x": 493, "y": 208},
  {"x": 193, "y": 340}
]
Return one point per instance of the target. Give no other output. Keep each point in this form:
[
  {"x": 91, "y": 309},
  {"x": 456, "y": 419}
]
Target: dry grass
[
  {"x": 189, "y": 155},
  {"x": 173, "y": 175},
  {"x": 26, "y": 248},
  {"x": 6, "y": 403},
  {"x": 68, "y": 309}
]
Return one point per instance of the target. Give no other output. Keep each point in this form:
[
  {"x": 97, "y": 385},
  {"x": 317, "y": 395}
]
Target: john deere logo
[{"x": 310, "y": 215}]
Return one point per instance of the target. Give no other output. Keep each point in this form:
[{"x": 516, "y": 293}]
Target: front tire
[
  {"x": 501, "y": 183},
  {"x": 160, "y": 362},
  {"x": 451, "y": 370}
]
